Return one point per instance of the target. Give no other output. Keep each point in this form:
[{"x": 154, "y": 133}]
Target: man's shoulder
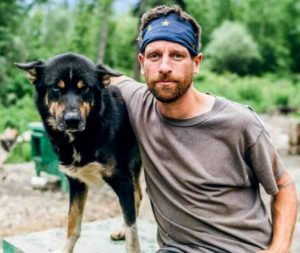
[
  {"x": 128, "y": 87},
  {"x": 243, "y": 116},
  {"x": 121, "y": 81}
]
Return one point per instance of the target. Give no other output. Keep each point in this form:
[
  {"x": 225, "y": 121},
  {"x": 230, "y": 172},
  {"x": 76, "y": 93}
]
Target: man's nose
[{"x": 165, "y": 66}]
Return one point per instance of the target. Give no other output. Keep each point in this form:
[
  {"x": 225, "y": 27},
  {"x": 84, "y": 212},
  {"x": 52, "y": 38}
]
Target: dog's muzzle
[{"x": 73, "y": 121}]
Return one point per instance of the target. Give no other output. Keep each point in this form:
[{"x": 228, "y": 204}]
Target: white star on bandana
[{"x": 165, "y": 23}]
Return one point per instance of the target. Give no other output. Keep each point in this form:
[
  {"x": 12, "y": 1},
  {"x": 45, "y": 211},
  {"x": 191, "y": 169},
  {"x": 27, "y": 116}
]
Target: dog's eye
[
  {"x": 85, "y": 89},
  {"x": 82, "y": 87}
]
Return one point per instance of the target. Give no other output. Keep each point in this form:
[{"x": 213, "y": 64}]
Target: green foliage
[
  {"x": 18, "y": 115},
  {"x": 233, "y": 49},
  {"x": 271, "y": 28},
  {"x": 264, "y": 94},
  {"x": 20, "y": 154},
  {"x": 85, "y": 34},
  {"x": 121, "y": 51},
  {"x": 210, "y": 15},
  {"x": 15, "y": 88},
  {"x": 274, "y": 25}
]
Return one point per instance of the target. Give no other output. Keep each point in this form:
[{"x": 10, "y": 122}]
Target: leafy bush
[
  {"x": 121, "y": 51},
  {"x": 20, "y": 154},
  {"x": 15, "y": 87},
  {"x": 263, "y": 94},
  {"x": 232, "y": 49},
  {"x": 18, "y": 115}
]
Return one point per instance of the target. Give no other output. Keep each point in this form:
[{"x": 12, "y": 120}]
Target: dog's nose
[{"x": 72, "y": 119}]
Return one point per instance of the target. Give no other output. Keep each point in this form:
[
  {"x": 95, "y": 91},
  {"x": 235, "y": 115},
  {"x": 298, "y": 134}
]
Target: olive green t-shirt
[{"x": 203, "y": 174}]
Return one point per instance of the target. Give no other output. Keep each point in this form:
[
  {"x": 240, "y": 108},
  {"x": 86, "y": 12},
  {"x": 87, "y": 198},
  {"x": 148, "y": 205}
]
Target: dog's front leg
[
  {"x": 78, "y": 195},
  {"x": 124, "y": 188}
]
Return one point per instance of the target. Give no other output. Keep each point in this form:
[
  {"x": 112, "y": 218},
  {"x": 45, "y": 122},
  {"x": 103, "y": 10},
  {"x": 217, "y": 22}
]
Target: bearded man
[{"x": 205, "y": 156}]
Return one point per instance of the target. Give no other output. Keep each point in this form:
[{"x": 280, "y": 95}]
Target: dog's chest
[
  {"x": 87, "y": 163},
  {"x": 92, "y": 174}
]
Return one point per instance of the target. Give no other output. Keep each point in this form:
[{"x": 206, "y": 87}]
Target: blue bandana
[{"x": 171, "y": 28}]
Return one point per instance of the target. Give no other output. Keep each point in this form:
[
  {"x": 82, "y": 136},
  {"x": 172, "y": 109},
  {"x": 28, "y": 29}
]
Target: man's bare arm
[{"x": 284, "y": 215}]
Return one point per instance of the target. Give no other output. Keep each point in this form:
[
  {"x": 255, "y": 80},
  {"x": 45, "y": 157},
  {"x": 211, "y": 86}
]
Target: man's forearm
[{"x": 284, "y": 214}]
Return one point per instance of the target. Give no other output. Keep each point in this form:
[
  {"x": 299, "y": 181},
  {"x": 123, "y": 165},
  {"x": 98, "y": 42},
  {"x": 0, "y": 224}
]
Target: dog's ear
[
  {"x": 104, "y": 74},
  {"x": 32, "y": 69}
]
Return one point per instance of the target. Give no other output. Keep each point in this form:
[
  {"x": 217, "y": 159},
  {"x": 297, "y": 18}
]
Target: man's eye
[
  {"x": 154, "y": 56},
  {"x": 177, "y": 56}
]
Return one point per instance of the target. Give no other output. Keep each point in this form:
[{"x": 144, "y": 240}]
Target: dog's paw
[
  {"x": 61, "y": 251},
  {"x": 119, "y": 234}
]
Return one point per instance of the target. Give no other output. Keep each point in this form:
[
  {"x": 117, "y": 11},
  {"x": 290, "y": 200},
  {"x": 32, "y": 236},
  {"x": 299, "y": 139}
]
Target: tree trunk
[
  {"x": 136, "y": 67},
  {"x": 103, "y": 32}
]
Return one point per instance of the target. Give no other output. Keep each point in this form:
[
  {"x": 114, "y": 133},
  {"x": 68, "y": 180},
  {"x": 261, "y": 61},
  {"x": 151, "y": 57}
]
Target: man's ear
[
  {"x": 105, "y": 73},
  {"x": 197, "y": 62},
  {"x": 141, "y": 61},
  {"x": 32, "y": 69}
]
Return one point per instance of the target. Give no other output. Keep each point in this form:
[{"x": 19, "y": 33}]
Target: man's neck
[{"x": 193, "y": 103}]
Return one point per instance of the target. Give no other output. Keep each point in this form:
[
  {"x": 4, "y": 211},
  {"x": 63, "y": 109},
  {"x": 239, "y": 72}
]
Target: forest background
[{"x": 251, "y": 48}]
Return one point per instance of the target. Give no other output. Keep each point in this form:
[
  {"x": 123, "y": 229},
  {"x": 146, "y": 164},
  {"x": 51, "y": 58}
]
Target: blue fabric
[{"x": 171, "y": 28}]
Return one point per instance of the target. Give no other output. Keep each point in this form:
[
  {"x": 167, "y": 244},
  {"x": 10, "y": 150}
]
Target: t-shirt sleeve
[
  {"x": 266, "y": 162},
  {"x": 128, "y": 89}
]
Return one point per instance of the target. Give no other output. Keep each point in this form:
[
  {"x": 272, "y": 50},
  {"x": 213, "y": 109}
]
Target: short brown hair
[{"x": 164, "y": 10}]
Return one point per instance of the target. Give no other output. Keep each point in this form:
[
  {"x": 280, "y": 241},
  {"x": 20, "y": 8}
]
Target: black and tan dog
[{"x": 89, "y": 129}]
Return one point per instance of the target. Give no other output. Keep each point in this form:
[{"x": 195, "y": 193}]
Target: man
[{"x": 204, "y": 156}]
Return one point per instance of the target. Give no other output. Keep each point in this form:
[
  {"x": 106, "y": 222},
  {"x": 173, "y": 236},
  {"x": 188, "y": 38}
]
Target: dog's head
[{"x": 68, "y": 87}]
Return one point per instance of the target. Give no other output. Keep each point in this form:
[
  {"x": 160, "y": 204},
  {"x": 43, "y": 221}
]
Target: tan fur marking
[
  {"x": 74, "y": 222},
  {"x": 46, "y": 100},
  {"x": 70, "y": 136},
  {"x": 85, "y": 109},
  {"x": 76, "y": 156},
  {"x": 52, "y": 122},
  {"x": 56, "y": 109},
  {"x": 137, "y": 195},
  {"x": 31, "y": 75},
  {"x": 75, "y": 215},
  {"x": 80, "y": 84},
  {"x": 61, "y": 84},
  {"x": 92, "y": 174}
]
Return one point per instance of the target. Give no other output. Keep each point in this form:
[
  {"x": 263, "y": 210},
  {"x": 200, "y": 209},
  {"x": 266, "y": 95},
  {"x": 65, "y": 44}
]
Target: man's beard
[{"x": 168, "y": 94}]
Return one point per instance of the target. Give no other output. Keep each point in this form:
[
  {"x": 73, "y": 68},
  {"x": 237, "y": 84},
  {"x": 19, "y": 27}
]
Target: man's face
[{"x": 168, "y": 69}]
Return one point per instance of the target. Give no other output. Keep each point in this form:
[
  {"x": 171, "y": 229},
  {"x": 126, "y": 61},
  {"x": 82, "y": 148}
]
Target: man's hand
[{"x": 117, "y": 79}]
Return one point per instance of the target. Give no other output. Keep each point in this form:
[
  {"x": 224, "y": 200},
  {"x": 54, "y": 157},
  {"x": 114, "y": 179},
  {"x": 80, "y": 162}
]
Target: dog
[{"x": 88, "y": 126}]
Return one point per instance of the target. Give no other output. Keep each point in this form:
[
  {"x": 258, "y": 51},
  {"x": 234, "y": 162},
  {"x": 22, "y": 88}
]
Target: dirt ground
[{"x": 24, "y": 209}]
